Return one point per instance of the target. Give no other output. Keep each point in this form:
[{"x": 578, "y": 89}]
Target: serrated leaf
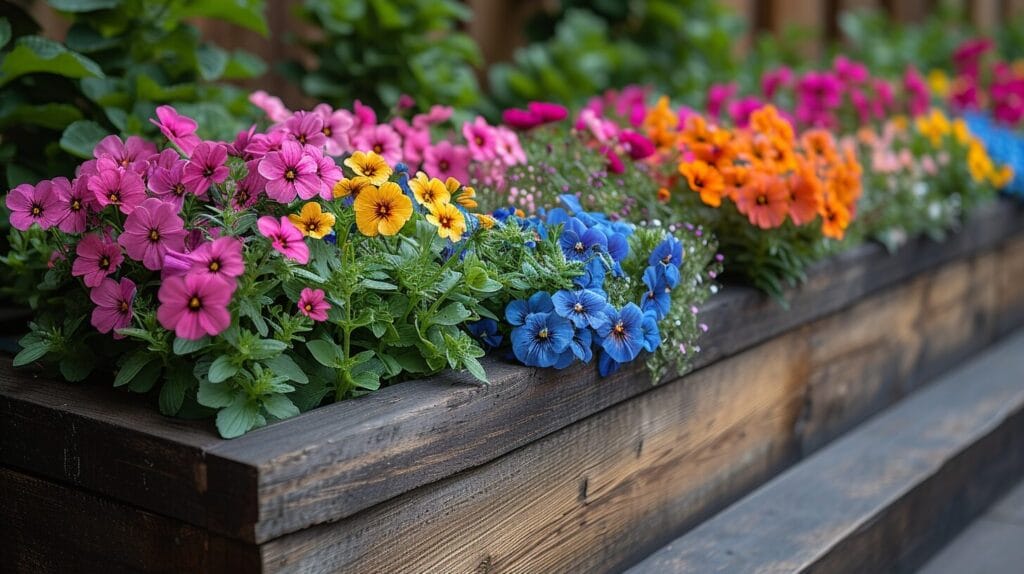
[
  {"x": 132, "y": 366},
  {"x": 81, "y": 137},
  {"x": 280, "y": 407},
  {"x": 222, "y": 369}
]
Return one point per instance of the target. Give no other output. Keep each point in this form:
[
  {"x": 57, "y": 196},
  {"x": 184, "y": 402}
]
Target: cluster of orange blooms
[{"x": 767, "y": 170}]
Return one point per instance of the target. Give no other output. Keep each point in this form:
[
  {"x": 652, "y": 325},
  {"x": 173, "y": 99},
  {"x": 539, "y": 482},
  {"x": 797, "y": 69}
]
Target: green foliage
[
  {"x": 377, "y": 50},
  {"x": 586, "y": 47}
]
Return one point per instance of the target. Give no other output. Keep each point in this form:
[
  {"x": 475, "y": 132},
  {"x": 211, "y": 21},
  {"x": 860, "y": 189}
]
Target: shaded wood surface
[
  {"x": 884, "y": 497},
  {"x": 340, "y": 459}
]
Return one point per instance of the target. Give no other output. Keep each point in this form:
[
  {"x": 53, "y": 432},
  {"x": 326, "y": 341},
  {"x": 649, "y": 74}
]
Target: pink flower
[
  {"x": 884, "y": 98},
  {"x": 112, "y": 185},
  {"x": 289, "y": 173},
  {"x": 152, "y": 229},
  {"x": 206, "y": 167},
  {"x": 849, "y": 72},
  {"x": 271, "y": 105},
  {"x": 130, "y": 154},
  {"x": 382, "y": 140},
  {"x": 249, "y": 188},
  {"x": 818, "y": 94},
  {"x": 480, "y": 138},
  {"x": 327, "y": 171},
  {"x": 364, "y": 117},
  {"x": 445, "y": 160},
  {"x": 510, "y": 151},
  {"x": 179, "y": 129},
  {"x": 967, "y": 56},
  {"x": 194, "y": 305},
  {"x": 405, "y": 102},
  {"x": 436, "y": 115},
  {"x": 520, "y": 119},
  {"x": 221, "y": 257},
  {"x": 76, "y": 201},
  {"x": 306, "y": 128},
  {"x": 615, "y": 164},
  {"x": 262, "y": 144},
  {"x": 97, "y": 258},
  {"x": 113, "y": 305},
  {"x": 636, "y": 145},
  {"x": 313, "y": 305},
  {"x": 918, "y": 100},
  {"x": 337, "y": 124},
  {"x": 240, "y": 147},
  {"x": 862, "y": 105},
  {"x": 548, "y": 112},
  {"x": 177, "y": 263},
  {"x": 40, "y": 204},
  {"x": 417, "y": 140},
  {"x": 168, "y": 184},
  {"x": 741, "y": 110},
  {"x": 718, "y": 96},
  {"x": 285, "y": 238},
  {"x": 964, "y": 94},
  {"x": 772, "y": 81}
]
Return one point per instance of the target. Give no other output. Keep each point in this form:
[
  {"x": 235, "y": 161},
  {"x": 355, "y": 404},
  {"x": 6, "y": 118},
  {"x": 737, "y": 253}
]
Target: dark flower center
[
  {"x": 650, "y": 294},
  {"x": 667, "y": 259},
  {"x": 104, "y": 262},
  {"x": 762, "y": 200},
  {"x": 154, "y": 235},
  {"x": 578, "y": 307},
  {"x": 301, "y": 138},
  {"x": 289, "y": 175},
  {"x": 443, "y": 165},
  {"x": 208, "y": 172},
  {"x": 543, "y": 334},
  {"x": 37, "y": 210},
  {"x": 114, "y": 197},
  {"x": 308, "y": 307},
  {"x": 445, "y": 221},
  {"x": 312, "y": 225},
  {"x": 377, "y": 148},
  {"x": 195, "y": 303},
  {"x": 76, "y": 205},
  {"x": 124, "y": 306},
  {"x": 619, "y": 330},
  {"x": 383, "y": 210},
  {"x": 579, "y": 247},
  {"x": 215, "y": 266},
  {"x": 178, "y": 189},
  {"x": 327, "y": 131},
  {"x": 479, "y": 140}
]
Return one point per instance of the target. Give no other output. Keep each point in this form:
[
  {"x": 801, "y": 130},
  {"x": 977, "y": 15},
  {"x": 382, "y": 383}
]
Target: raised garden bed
[{"x": 540, "y": 471}]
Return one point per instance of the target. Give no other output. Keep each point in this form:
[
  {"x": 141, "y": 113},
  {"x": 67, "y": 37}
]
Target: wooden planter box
[{"x": 541, "y": 471}]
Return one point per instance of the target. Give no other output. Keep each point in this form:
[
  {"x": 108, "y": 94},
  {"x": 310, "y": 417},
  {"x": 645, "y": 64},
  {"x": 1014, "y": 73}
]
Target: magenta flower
[
  {"x": 364, "y": 117},
  {"x": 76, "y": 201},
  {"x": 773, "y": 81},
  {"x": 548, "y": 112},
  {"x": 636, "y": 145},
  {"x": 113, "y": 305},
  {"x": 206, "y": 167},
  {"x": 130, "y": 154},
  {"x": 249, "y": 188},
  {"x": 481, "y": 138},
  {"x": 40, "y": 204},
  {"x": 445, "y": 160},
  {"x": 884, "y": 98},
  {"x": 405, "y": 102},
  {"x": 179, "y": 129},
  {"x": 817, "y": 96},
  {"x": 306, "y": 128},
  {"x": 964, "y": 94},
  {"x": 271, "y": 105},
  {"x": 510, "y": 151},
  {"x": 97, "y": 257},
  {"x": 718, "y": 96},
  {"x": 436, "y": 115},
  {"x": 194, "y": 305},
  {"x": 177, "y": 263},
  {"x": 313, "y": 305},
  {"x": 221, "y": 257},
  {"x": 327, "y": 171},
  {"x": 918, "y": 99},
  {"x": 168, "y": 184},
  {"x": 337, "y": 124},
  {"x": 416, "y": 141},
  {"x": 285, "y": 238},
  {"x": 520, "y": 119},
  {"x": 262, "y": 144},
  {"x": 741, "y": 110},
  {"x": 150, "y": 230},
  {"x": 615, "y": 164},
  {"x": 289, "y": 173},
  {"x": 849, "y": 72},
  {"x": 967, "y": 56},
  {"x": 240, "y": 147},
  {"x": 112, "y": 185},
  {"x": 382, "y": 140}
]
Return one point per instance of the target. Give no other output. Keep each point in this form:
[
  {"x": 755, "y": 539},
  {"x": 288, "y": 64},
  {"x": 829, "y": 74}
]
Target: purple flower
[
  {"x": 206, "y": 167},
  {"x": 40, "y": 204},
  {"x": 289, "y": 173},
  {"x": 445, "y": 160},
  {"x": 97, "y": 258},
  {"x": 168, "y": 184},
  {"x": 336, "y": 126},
  {"x": 113, "y": 185},
  {"x": 327, "y": 171},
  {"x": 113, "y": 302},
  {"x": 130, "y": 154},
  {"x": 76, "y": 201},
  {"x": 150, "y": 231}
]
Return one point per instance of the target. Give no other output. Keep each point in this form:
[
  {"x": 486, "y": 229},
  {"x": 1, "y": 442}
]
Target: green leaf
[
  {"x": 77, "y": 366},
  {"x": 147, "y": 377},
  {"x": 38, "y": 55},
  {"x": 172, "y": 393},
  {"x": 212, "y": 61},
  {"x": 132, "y": 366},
  {"x": 266, "y": 348},
  {"x": 326, "y": 353},
  {"x": 222, "y": 369},
  {"x": 238, "y": 418},
  {"x": 451, "y": 314},
  {"x": 286, "y": 367},
  {"x": 50, "y": 116},
  {"x": 475, "y": 368},
  {"x": 5, "y": 32},
  {"x": 280, "y": 407},
  {"x": 243, "y": 65},
  {"x": 378, "y": 285},
  {"x": 244, "y": 13},
  {"x": 215, "y": 395},
  {"x": 81, "y": 137},
  {"x": 83, "y": 5},
  {"x": 186, "y": 346},
  {"x": 31, "y": 354}
]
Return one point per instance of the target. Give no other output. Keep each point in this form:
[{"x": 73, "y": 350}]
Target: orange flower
[
  {"x": 718, "y": 151},
  {"x": 767, "y": 121},
  {"x": 820, "y": 145},
  {"x": 765, "y": 201},
  {"x": 772, "y": 154},
  {"x": 705, "y": 180},
  {"x": 661, "y": 123},
  {"x": 835, "y": 218},
  {"x": 696, "y": 132},
  {"x": 805, "y": 195},
  {"x": 736, "y": 178},
  {"x": 664, "y": 194}
]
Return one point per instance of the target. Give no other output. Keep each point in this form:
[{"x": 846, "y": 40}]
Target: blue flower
[
  {"x": 503, "y": 213},
  {"x": 557, "y": 216},
  {"x": 541, "y": 339},
  {"x": 668, "y": 252},
  {"x": 579, "y": 348},
  {"x": 539, "y": 302},
  {"x": 486, "y": 331},
  {"x": 607, "y": 365},
  {"x": 579, "y": 243},
  {"x": 571, "y": 202},
  {"x": 618, "y": 246},
  {"x": 584, "y": 308},
  {"x": 652, "y": 335},
  {"x": 622, "y": 336},
  {"x": 331, "y": 238},
  {"x": 658, "y": 297}
]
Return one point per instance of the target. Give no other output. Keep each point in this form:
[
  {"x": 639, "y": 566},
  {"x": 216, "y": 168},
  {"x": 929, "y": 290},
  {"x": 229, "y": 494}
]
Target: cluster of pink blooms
[
  {"x": 134, "y": 183},
  {"x": 613, "y": 120},
  {"x": 1004, "y": 93},
  {"x": 482, "y": 158},
  {"x": 821, "y": 97}
]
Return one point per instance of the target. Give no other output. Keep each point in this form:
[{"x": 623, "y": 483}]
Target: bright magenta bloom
[
  {"x": 97, "y": 258},
  {"x": 285, "y": 238},
  {"x": 112, "y": 185},
  {"x": 113, "y": 305},
  {"x": 306, "y": 128},
  {"x": 150, "y": 230},
  {"x": 481, "y": 138},
  {"x": 327, "y": 171},
  {"x": 206, "y": 167},
  {"x": 381, "y": 139},
  {"x": 445, "y": 160},
  {"x": 290, "y": 172},
  {"x": 194, "y": 305},
  {"x": 40, "y": 204},
  {"x": 181, "y": 130},
  {"x": 221, "y": 257},
  {"x": 337, "y": 124},
  {"x": 129, "y": 154},
  {"x": 76, "y": 201},
  {"x": 167, "y": 183},
  {"x": 313, "y": 305}
]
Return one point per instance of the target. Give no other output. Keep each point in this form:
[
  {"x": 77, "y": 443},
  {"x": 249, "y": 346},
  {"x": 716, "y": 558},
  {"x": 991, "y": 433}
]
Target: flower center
[
  {"x": 114, "y": 197},
  {"x": 543, "y": 334},
  {"x": 650, "y": 294},
  {"x": 619, "y": 329},
  {"x": 289, "y": 175},
  {"x": 312, "y": 226},
  {"x": 154, "y": 235},
  {"x": 579, "y": 247},
  {"x": 378, "y": 149},
  {"x": 104, "y": 262},
  {"x": 208, "y": 172},
  {"x": 479, "y": 140},
  {"x": 698, "y": 181},
  {"x": 215, "y": 266},
  {"x": 383, "y": 210},
  {"x": 76, "y": 205},
  {"x": 308, "y": 307},
  {"x": 301, "y": 138},
  {"x": 578, "y": 307},
  {"x": 445, "y": 221},
  {"x": 194, "y": 303},
  {"x": 178, "y": 189},
  {"x": 327, "y": 131},
  {"x": 762, "y": 200},
  {"x": 37, "y": 210},
  {"x": 443, "y": 165},
  {"x": 667, "y": 259},
  {"x": 124, "y": 306}
]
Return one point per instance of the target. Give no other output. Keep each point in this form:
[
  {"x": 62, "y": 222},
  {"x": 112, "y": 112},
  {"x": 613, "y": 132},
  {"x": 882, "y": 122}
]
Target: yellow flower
[
  {"x": 978, "y": 163},
  {"x": 448, "y": 219},
  {"x": 466, "y": 197},
  {"x": 933, "y": 126},
  {"x": 960, "y": 131},
  {"x": 429, "y": 191},
  {"x": 486, "y": 221},
  {"x": 312, "y": 221},
  {"x": 369, "y": 165},
  {"x": 382, "y": 210},
  {"x": 899, "y": 122},
  {"x": 1001, "y": 177},
  {"x": 938, "y": 81},
  {"x": 346, "y": 187}
]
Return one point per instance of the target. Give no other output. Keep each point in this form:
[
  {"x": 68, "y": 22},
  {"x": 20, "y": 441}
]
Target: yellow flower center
[
  {"x": 619, "y": 328},
  {"x": 308, "y": 307},
  {"x": 178, "y": 190},
  {"x": 377, "y": 148},
  {"x": 327, "y": 131},
  {"x": 194, "y": 303},
  {"x": 104, "y": 262},
  {"x": 215, "y": 266},
  {"x": 543, "y": 334},
  {"x": 124, "y": 306},
  {"x": 37, "y": 211},
  {"x": 114, "y": 197},
  {"x": 154, "y": 235},
  {"x": 76, "y": 205},
  {"x": 289, "y": 175}
]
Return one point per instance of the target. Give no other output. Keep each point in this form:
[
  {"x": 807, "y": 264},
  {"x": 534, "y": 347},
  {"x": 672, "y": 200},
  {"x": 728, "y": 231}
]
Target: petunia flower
[
  {"x": 541, "y": 339},
  {"x": 481, "y": 139},
  {"x": 129, "y": 154},
  {"x": 508, "y": 148},
  {"x": 336, "y": 127},
  {"x": 206, "y": 167},
  {"x": 306, "y": 128},
  {"x": 284, "y": 237},
  {"x": 179, "y": 129},
  {"x": 113, "y": 302},
  {"x": 76, "y": 202},
  {"x": 445, "y": 160},
  {"x": 249, "y": 188},
  {"x": 429, "y": 191},
  {"x": 290, "y": 172},
  {"x": 150, "y": 231},
  {"x": 585, "y": 308},
  {"x": 449, "y": 221},
  {"x": 271, "y": 105},
  {"x": 382, "y": 140},
  {"x": 622, "y": 337},
  {"x": 369, "y": 165},
  {"x": 382, "y": 210},
  {"x": 112, "y": 185},
  {"x": 327, "y": 171},
  {"x": 194, "y": 305},
  {"x": 312, "y": 221},
  {"x": 167, "y": 183},
  {"x": 96, "y": 258},
  {"x": 313, "y": 304},
  {"x": 435, "y": 115},
  {"x": 40, "y": 204},
  {"x": 221, "y": 257}
]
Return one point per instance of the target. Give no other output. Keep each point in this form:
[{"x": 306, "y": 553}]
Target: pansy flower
[
  {"x": 369, "y": 165},
  {"x": 113, "y": 302},
  {"x": 580, "y": 348},
  {"x": 658, "y": 296},
  {"x": 622, "y": 337},
  {"x": 486, "y": 331},
  {"x": 429, "y": 191},
  {"x": 651, "y": 333},
  {"x": 585, "y": 308},
  {"x": 517, "y": 311},
  {"x": 541, "y": 339},
  {"x": 312, "y": 221},
  {"x": 449, "y": 221},
  {"x": 579, "y": 243}
]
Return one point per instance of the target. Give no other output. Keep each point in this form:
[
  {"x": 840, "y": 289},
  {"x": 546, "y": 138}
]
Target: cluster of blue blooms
[
  {"x": 555, "y": 330},
  {"x": 1004, "y": 145}
]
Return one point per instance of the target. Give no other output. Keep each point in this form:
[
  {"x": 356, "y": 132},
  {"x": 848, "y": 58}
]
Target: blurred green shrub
[{"x": 377, "y": 50}]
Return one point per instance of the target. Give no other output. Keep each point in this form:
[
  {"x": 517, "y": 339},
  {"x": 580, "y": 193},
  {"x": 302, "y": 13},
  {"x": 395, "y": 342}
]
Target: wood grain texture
[
  {"x": 340, "y": 459},
  {"x": 46, "y": 527},
  {"x": 602, "y": 493},
  {"x": 883, "y": 497}
]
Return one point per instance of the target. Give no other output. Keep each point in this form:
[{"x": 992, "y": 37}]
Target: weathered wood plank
[
  {"x": 883, "y": 497},
  {"x": 607, "y": 490},
  {"x": 46, "y": 527}
]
